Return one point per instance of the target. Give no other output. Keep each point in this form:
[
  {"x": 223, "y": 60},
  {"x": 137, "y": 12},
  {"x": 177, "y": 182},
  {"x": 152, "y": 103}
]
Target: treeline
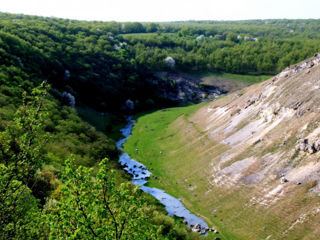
[
  {"x": 85, "y": 62},
  {"x": 105, "y": 66},
  {"x": 222, "y": 53},
  {"x": 115, "y": 60},
  {"x": 41, "y": 195},
  {"x": 272, "y": 28}
]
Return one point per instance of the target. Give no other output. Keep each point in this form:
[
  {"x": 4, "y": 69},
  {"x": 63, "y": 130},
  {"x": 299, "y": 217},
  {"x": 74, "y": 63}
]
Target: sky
[{"x": 165, "y": 10}]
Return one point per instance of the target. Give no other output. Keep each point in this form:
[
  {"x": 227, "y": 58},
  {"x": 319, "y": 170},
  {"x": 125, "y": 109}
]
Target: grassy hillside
[
  {"x": 189, "y": 156},
  {"x": 157, "y": 142}
]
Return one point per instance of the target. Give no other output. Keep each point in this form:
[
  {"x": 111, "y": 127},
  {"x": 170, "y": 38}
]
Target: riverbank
[
  {"x": 155, "y": 144},
  {"x": 140, "y": 175}
]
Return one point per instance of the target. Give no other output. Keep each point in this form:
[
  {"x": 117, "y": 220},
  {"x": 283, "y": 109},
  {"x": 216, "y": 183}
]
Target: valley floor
[{"x": 178, "y": 153}]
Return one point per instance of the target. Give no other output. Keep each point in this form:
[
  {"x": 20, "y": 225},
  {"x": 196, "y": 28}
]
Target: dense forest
[{"x": 58, "y": 76}]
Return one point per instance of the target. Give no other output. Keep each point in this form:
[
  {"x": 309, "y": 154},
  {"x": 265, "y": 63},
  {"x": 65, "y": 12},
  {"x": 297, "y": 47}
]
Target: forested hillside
[
  {"x": 42, "y": 196},
  {"x": 59, "y": 79}
]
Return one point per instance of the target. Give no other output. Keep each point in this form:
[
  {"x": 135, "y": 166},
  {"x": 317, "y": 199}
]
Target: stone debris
[
  {"x": 170, "y": 62},
  {"x": 283, "y": 180},
  {"x": 200, "y": 38},
  {"x": 307, "y": 145},
  {"x": 196, "y": 228}
]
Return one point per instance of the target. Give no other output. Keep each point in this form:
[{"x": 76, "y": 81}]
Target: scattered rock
[
  {"x": 66, "y": 75},
  {"x": 200, "y": 38},
  {"x": 68, "y": 98},
  {"x": 250, "y": 102},
  {"x": 311, "y": 65},
  {"x": 302, "y": 145},
  {"x": 283, "y": 180},
  {"x": 256, "y": 142},
  {"x": 311, "y": 149},
  {"x": 283, "y": 143},
  {"x": 196, "y": 228},
  {"x": 170, "y": 62},
  {"x": 297, "y": 105},
  {"x": 317, "y": 145},
  {"x": 236, "y": 111},
  {"x": 308, "y": 146},
  {"x": 300, "y": 113},
  {"x": 129, "y": 105}
]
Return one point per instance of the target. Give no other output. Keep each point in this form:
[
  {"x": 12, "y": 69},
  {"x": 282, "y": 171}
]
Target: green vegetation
[
  {"x": 98, "y": 209},
  {"x": 147, "y": 136},
  {"x": 164, "y": 150},
  {"x": 93, "y": 69},
  {"x": 207, "y": 78},
  {"x": 40, "y": 201},
  {"x": 180, "y": 156},
  {"x": 268, "y": 55}
]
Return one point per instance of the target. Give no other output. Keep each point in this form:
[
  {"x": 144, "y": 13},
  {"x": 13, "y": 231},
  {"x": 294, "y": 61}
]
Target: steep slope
[
  {"x": 271, "y": 134},
  {"x": 248, "y": 162}
]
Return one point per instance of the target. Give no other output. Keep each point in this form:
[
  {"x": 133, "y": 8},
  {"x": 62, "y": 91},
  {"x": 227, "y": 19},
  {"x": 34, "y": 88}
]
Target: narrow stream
[{"x": 139, "y": 177}]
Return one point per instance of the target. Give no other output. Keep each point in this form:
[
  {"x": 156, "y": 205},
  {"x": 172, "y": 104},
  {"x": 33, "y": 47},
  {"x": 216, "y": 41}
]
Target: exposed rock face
[
  {"x": 196, "y": 228},
  {"x": 130, "y": 105},
  {"x": 66, "y": 75},
  {"x": 170, "y": 62},
  {"x": 276, "y": 109},
  {"x": 184, "y": 87},
  {"x": 200, "y": 38},
  {"x": 311, "y": 146},
  {"x": 266, "y": 146},
  {"x": 70, "y": 99}
]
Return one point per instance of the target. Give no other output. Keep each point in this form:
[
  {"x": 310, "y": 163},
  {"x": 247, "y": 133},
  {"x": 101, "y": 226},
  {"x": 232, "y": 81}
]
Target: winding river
[{"x": 139, "y": 177}]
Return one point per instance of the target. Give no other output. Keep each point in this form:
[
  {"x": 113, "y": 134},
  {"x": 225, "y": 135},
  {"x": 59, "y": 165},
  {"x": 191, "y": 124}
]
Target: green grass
[
  {"x": 249, "y": 79},
  {"x": 149, "y": 134},
  {"x": 179, "y": 154},
  {"x": 157, "y": 140}
]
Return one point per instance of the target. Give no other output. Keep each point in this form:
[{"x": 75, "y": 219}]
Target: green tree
[
  {"x": 152, "y": 27},
  {"x": 20, "y": 157},
  {"x": 232, "y": 37},
  {"x": 92, "y": 206}
]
